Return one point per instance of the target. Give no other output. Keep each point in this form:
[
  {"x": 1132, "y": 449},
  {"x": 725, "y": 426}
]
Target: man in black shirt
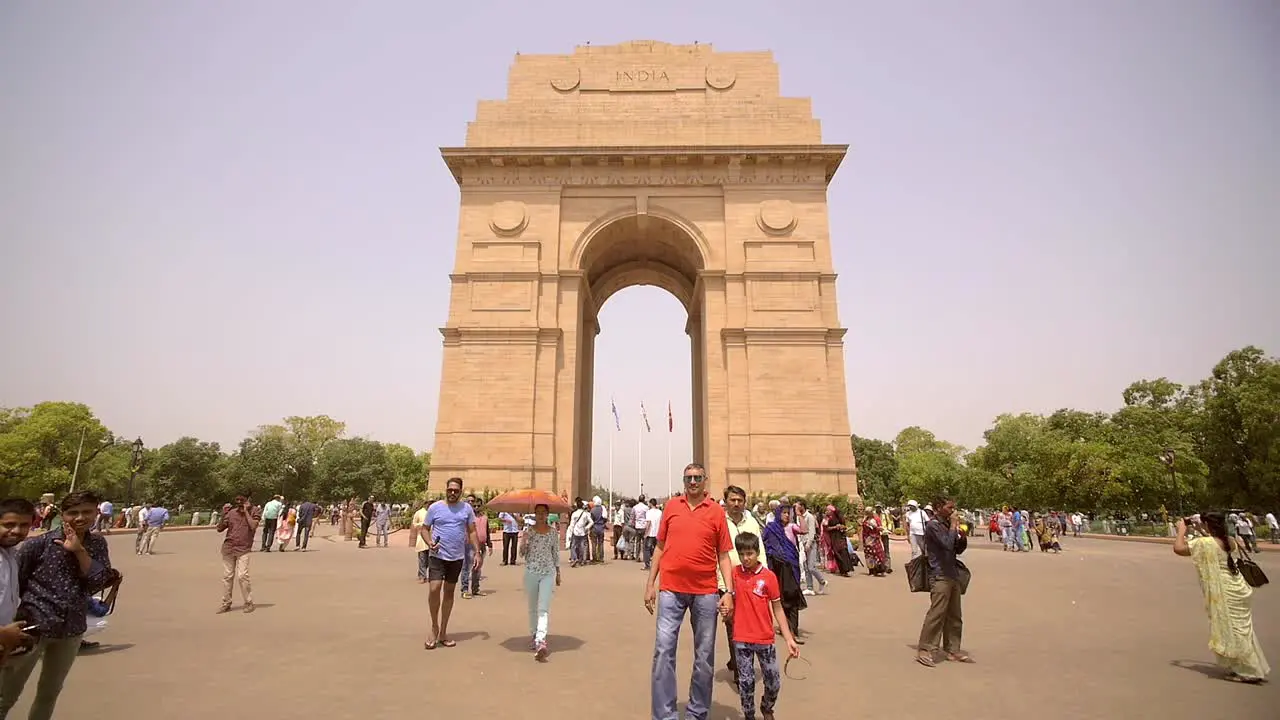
[
  {"x": 366, "y": 517},
  {"x": 307, "y": 512},
  {"x": 943, "y": 541}
]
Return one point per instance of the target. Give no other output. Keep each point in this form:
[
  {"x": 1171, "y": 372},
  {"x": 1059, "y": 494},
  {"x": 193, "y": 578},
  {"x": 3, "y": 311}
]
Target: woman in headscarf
[
  {"x": 872, "y": 544},
  {"x": 834, "y": 542},
  {"x": 1228, "y": 600},
  {"x": 784, "y": 561}
]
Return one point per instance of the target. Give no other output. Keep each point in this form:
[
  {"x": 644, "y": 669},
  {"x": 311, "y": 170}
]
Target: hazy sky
[{"x": 213, "y": 215}]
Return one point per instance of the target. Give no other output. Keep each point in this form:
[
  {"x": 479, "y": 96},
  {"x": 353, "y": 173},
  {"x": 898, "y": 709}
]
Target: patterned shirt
[
  {"x": 542, "y": 552},
  {"x": 55, "y": 595}
]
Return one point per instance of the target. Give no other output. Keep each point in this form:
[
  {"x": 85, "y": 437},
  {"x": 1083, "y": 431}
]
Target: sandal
[
  {"x": 429, "y": 645},
  {"x": 1232, "y": 677},
  {"x": 448, "y": 643},
  {"x": 926, "y": 660},
  {"x": 960, "y": 657}
]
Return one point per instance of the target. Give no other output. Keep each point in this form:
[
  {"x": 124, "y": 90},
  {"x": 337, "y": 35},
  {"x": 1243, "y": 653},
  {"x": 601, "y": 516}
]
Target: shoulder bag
[{"x": 1249, "y": 569}]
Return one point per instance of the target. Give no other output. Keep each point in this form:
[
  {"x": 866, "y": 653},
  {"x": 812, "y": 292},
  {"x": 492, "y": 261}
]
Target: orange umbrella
[{"x": 523, "y": 501}]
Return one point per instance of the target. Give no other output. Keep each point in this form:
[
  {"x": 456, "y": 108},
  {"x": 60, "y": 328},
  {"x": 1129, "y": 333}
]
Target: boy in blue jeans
[{"x": 757, "y": 606}]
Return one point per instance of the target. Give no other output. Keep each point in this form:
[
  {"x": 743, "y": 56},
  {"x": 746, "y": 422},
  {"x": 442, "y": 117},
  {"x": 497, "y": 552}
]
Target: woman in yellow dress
[{"x": 1227, "y": 600}]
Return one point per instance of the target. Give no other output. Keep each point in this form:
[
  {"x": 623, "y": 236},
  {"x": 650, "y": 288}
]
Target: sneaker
[
  {"x": 248, "y": 608},
  {"x": 466, "y": 595},
  {"x": 807, "y": 591},
  {"x": 223, "y": 609}
]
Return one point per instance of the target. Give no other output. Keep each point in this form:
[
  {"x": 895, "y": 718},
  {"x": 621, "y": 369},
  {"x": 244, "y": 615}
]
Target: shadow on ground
[
  {"x": 556, "y": 643},
  {"x": 1209, "y": 670}
]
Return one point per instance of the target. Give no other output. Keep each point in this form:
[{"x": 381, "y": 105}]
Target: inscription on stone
[{"x": 641, "y": 78}]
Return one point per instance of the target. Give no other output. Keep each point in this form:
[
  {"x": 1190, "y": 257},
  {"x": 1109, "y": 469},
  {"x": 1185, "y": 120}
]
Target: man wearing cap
[
  {"x": 916, "y": 519},
  {"x": 599, "y": 518}
]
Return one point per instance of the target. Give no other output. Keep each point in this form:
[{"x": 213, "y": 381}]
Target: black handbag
[
  {"x": 1250, "y": 571},
  {"x": 918, "y": 574},
  {"x": 918, "y": 570},
  {"x": 963, "y": 576}
]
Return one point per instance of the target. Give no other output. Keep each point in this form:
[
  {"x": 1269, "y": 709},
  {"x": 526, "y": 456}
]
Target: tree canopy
[
  {"x": 1215, "y": 443},
  {"x": 301, "y": 457}
]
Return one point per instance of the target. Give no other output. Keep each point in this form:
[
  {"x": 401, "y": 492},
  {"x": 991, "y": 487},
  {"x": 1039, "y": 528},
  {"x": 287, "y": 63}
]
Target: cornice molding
[
  {"x": 809, "y": 165},
  {"x": 454, "y": 336},
  {"x": 782, "y": 336}
]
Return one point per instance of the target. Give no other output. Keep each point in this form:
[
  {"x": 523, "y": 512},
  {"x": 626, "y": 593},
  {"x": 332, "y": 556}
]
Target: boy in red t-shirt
[{"x": 757, "y": 606}]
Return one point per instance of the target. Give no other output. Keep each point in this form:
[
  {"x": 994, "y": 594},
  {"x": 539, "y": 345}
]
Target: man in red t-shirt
[
  {"x": 693, "y": 540},
  {"x": 757, "y": 607}
]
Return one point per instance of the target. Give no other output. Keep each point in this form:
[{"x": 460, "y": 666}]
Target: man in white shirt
[
  {"x": 579, "y": 523},
  {"x": 652, "y": 518},
  {"x": 1275, "y": 528},
  {"x": 141, "y": 516},
  {"x": 105, "y": 511},
  {"x": 639, "y": 520},
  {"x": 809, "y": 549},
  {"x": 420, "y": 542},
  {"x": 915, "y": 528}
]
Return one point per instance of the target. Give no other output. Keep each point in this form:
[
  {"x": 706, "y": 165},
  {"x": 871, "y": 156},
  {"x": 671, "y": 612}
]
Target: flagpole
[
  {"x": 611, "y": 471},
  {"x": 640, "y": 457},
  {"x": 669, "y": 463}
]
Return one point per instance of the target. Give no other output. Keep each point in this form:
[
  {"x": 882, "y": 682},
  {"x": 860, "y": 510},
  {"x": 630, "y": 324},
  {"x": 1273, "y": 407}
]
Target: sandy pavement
[{"x": 1105, "y": 630}]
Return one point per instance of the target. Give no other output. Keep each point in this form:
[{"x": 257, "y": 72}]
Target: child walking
[{"x": 757, "y": 606}]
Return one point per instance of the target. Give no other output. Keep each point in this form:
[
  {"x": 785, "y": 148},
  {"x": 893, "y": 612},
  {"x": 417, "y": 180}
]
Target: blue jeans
[
  {"x": 538, "y": 590},
  {"x": 470, "y": 581},
  {"x": 578, "y": 548},
  {"x": 702, "y": 616}
]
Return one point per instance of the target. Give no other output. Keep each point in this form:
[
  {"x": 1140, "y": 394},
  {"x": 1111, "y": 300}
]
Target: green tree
[
  {"x": 877, "y": 470},
  {"x": 1238, "y": 431},
  {"x": 356, "y": 468},
  {"x": 38, "y": 446},
  {"x": 410, "y": 469},
  {"x": 187, "y": 472}
]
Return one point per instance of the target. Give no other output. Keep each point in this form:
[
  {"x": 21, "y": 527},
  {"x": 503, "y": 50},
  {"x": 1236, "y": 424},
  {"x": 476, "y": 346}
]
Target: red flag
[{"x": 671, "y": 423}]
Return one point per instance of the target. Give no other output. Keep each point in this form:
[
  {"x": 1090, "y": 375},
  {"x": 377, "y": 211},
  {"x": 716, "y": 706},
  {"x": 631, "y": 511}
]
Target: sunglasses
[{"x": 694, "y": 478}]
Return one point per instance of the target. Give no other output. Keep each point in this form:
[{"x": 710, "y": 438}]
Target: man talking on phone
[{"x": 450, "y": 526}]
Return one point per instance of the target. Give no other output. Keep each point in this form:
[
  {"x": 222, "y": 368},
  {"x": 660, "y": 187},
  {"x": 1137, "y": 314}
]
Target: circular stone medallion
[
  {"x": 508, "y": 217},
  {"x": 721, "y": 77},
  {"x": 566, "y": 78},
  {"x": 776, "y": 217}
]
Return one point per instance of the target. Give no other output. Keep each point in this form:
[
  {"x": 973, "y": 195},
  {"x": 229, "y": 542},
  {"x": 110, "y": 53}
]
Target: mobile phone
[{"x": 29, "y": 628}]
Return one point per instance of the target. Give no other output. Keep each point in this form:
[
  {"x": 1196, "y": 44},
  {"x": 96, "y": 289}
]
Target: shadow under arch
[
  {"x": 617, "y": 251},
  {"x": 626, "y": 248}
]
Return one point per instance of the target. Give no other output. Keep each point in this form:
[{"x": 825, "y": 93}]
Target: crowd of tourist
[{"x": 712, "y": 560}]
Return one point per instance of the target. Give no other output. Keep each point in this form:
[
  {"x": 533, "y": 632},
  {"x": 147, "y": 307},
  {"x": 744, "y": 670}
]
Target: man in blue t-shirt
[{"x": 450, "y": 526}]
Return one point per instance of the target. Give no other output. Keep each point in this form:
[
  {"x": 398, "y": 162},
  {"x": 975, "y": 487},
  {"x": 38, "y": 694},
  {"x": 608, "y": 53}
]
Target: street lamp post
[
  {"x": 1168, "y": 456},
  {"x": 135, "y": 464}
]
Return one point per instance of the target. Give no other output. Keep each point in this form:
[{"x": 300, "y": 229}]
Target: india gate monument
[{"x": 644, "y": 164}]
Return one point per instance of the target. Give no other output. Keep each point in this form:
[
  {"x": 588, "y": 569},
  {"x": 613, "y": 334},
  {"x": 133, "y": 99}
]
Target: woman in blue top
[{"x": 541, "y": 552}]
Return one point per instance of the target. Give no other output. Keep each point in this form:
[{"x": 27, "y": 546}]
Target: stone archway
[
  {"x": 657, "y": 248},
  {"x": 644, "y": 163}
]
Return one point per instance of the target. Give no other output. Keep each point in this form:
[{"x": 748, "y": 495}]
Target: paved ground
[{"x": 1107, "y": 629}]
